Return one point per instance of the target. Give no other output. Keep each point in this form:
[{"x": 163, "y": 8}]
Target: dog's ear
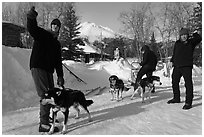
[
  {"x": 113, "y": 77},
  {"x": 52, "y": 92}
]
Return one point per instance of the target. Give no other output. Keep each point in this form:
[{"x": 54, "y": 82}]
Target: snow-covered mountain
[{"x": 95, "y": 32}]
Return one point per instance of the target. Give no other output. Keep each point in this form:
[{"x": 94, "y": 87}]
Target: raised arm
[
  {"x": 196, "y": 39},
  {"x": 35, "y": 31}
]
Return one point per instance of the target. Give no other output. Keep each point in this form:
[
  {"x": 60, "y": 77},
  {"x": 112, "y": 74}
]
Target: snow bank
[
  {"x": 17, "y": 85},
  {"x": 197, "y": 71},
  {"x": 93, "y": 77},
  {"x": 126, "y": 117},
  {"x": 118, "y": 68},
  {"x": 121, "y": 68},
  {"x": 18, "y": 89}
]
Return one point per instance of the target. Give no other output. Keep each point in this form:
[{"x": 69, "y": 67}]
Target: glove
[
  {"x": 60, "y": 81},
  {"x": 32, "y": 14}
]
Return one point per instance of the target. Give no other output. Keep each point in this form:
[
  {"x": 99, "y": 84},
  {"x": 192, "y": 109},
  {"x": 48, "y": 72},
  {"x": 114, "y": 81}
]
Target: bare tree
[
  {"x": 180, "y": 13},
  {"x": 168, "y": 21},
  {"x": 137, "y": 23},
  {"x": 15, "y": 12},
  {"x": 21, "y": 11},
  {"x": 163, "y": 25},
  {"x": 6, "y": 12}
]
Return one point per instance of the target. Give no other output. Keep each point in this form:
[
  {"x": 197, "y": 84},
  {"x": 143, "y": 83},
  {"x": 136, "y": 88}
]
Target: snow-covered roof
[
  {"x": 88, "y": 48},
  {"x": 13, "y": 25}
]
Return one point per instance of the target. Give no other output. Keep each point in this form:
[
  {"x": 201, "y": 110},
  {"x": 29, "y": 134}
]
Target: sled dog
[
  {"x": 116, "y": 87},
  {"x": 63, "y": 100},
  {"x": 145, "y": 83}
]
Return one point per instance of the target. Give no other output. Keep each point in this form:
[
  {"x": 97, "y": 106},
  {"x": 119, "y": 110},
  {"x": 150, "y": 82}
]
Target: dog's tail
[{"x": 89, "y": 102}]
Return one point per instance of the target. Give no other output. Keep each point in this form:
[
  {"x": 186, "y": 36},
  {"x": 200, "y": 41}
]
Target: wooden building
[{"x": 11, "y": 34}]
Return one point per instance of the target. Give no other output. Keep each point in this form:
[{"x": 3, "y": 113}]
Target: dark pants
[
  {"x": 144, "y": 70},
  {"x": 43, "y": 81},
  {"x": 186, "y": 72}
]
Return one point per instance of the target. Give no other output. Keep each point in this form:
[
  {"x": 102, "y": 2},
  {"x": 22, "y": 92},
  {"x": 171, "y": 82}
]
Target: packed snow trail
[
  {"x": 126, "y": 117},
  {"x": 18, "y": 90},
  {"x": 129, "y": 117}
]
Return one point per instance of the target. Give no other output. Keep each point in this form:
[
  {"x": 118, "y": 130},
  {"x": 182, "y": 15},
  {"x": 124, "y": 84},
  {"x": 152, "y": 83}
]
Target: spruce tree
[{"x": 69, "y": 32}]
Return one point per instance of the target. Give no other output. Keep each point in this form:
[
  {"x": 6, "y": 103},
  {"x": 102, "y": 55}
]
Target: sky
[
  {"x": 103, "y": 13},
  {"x": 107, "y": 14}
]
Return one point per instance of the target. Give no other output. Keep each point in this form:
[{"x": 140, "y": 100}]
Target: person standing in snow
[
  {"x": 45, "y": 59},
  {"x": 149, "y": 62},
  {"x": 182, "y": 61},
  {"x": 117, "y": 54}
]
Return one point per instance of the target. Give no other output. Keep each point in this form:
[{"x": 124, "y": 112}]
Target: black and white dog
[
  {"x": 63, "y": 100},
  {"x": 145, "y": 83},
  {"x": 116, "y": 87}
]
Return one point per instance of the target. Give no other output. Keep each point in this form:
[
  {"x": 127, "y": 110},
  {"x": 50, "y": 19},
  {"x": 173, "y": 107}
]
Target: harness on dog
[
  {"x": 47, "y": 101},
  {"x": 113, "y": 90},
  {"x": 58, "y": 108}
]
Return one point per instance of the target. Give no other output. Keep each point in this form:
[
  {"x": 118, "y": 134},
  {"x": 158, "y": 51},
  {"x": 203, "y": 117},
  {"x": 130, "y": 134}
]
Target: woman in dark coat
[{"x": 148, "y": 64}]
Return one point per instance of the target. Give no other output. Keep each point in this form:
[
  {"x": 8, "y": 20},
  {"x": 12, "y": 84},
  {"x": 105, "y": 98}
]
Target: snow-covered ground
[{"x": 127, "y": 117}]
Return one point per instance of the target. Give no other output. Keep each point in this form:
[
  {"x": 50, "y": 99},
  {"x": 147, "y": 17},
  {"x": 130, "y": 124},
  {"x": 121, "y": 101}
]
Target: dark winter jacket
[
  {"x": 149, "y": 59},
  {"x": 183, "y": 52},
  {"x": 46, "y": 52}
]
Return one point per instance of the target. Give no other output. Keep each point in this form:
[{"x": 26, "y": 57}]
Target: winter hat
[
  {"x": 56, "y": 22},
  {"x": 184, "y": 31}
]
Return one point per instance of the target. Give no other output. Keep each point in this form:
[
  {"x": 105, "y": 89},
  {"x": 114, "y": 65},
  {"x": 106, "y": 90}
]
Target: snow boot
[
  {"x": 174, "y": 101},
  {"x": 46, "y": 128},
  {"x": 187, "y": 106}
]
